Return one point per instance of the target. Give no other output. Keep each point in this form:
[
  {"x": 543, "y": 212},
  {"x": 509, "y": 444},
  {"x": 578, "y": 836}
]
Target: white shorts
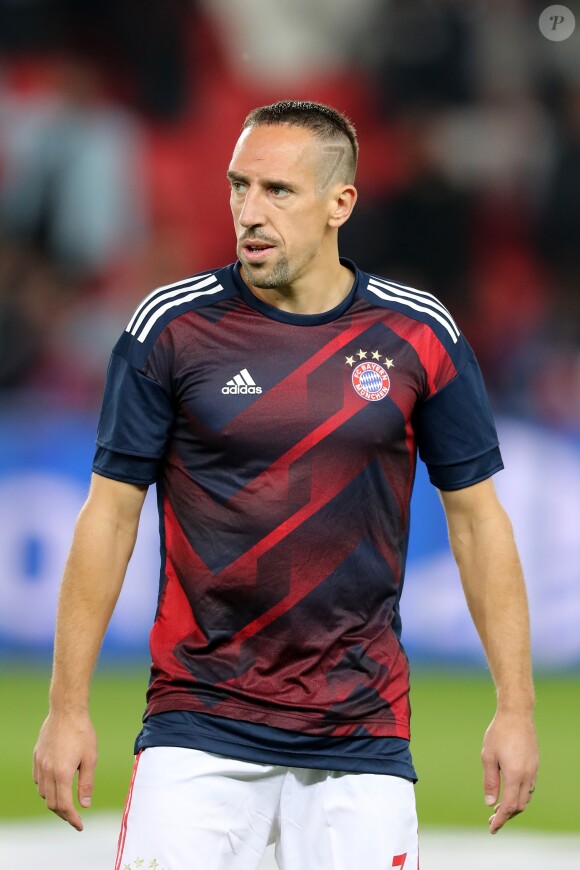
[{"x": 194, "y": 810}]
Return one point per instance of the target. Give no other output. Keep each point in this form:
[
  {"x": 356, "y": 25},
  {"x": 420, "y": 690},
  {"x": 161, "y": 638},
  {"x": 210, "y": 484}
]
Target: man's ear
[{"x": 342, "y": 205}]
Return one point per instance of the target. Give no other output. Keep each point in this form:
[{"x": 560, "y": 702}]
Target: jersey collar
[{"x": 296, "y": 319}]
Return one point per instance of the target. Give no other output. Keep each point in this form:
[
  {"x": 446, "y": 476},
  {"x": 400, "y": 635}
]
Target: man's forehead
[{"x": 272, "y": 148}]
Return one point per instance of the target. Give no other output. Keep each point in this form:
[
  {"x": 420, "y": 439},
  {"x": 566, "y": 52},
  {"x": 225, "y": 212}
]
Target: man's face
[{"x": 280, "y": 212}]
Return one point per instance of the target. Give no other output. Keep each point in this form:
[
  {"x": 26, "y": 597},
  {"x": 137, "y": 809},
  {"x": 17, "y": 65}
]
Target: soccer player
[{"x": 278, "y": 405}]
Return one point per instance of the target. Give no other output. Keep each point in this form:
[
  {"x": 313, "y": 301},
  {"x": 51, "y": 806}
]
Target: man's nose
[{"x": 252, "y": 211}]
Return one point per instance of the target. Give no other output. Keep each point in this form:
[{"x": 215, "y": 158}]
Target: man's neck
[{"x": 314, "y": 294}]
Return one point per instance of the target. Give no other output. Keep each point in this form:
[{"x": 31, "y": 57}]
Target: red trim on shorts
[{"x": 123, "y": 832}]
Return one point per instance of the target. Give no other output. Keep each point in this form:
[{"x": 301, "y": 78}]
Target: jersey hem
[
  {"x": 236, "y": 750},
  {"x": 277, "y": 720}
]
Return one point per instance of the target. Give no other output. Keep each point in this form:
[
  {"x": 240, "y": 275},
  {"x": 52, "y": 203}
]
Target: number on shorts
[{"x": 399, "y": 860}]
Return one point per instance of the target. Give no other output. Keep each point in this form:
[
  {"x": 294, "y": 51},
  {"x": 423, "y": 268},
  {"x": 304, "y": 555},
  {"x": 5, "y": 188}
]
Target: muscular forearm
[
  {"x": 491, "y": 576},
  {"x": 483, "y": 545},
  {"x": 102, "y": 545}
]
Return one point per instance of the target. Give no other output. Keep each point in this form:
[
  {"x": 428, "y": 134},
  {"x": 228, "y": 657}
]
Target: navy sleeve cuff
[
  {"x": 458, "y": 475},
  {"x": 125, "y": 467}
]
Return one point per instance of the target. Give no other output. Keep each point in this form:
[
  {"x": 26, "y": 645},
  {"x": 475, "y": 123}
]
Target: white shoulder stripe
[
  {"x": 419, "y": 296},
  {"x": 161, "y": 311},
  {"x": 169, "y": 294},
  {"x": 185, "y": 282},
  {"x": 442, "y": 320},
  {"x": 383, "y": 282}
]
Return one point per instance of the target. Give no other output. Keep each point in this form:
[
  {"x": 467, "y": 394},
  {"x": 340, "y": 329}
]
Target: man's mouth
[{"x": 256, "y": 251}]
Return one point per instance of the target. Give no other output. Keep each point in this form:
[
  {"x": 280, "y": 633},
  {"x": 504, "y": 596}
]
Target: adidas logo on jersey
[{"x": 242, "y": 383}]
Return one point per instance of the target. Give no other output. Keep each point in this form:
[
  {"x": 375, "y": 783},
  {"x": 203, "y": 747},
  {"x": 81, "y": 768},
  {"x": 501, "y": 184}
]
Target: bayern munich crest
[{"x": 369, "y": 379}]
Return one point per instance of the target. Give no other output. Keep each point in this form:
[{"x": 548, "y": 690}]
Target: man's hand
[
  {"x": 67, "y": 743},
  {"x": 510, "y": 753}
]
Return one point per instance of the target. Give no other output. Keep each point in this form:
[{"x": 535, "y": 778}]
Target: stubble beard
[{"x": 269, "y": 278}]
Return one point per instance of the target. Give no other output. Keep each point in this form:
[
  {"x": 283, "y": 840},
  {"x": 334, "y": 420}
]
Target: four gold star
[{"x": 362, "y": 354}]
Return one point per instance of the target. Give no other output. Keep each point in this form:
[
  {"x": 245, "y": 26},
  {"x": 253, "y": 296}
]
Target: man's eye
[
  {"x": 237, "y": 186},
  {"x": 279, "y": 191}
]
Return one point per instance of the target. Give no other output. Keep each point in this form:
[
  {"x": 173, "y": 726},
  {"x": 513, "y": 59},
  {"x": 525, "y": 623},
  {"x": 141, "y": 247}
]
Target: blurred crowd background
[
  {"x": 117, "y": 123},
  {"x": 117, "y": 120}
]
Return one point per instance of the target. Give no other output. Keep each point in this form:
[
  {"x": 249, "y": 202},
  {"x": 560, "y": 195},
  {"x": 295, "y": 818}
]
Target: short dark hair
[{"x": 324, "y": 121}]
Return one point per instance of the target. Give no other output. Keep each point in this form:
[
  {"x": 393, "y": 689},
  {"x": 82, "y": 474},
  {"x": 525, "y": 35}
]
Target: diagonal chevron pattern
[{"x": 284, "y": 492}]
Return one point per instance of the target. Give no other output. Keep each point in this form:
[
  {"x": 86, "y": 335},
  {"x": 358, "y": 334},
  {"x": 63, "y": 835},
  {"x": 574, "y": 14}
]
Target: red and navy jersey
[{"x": 284, "y": 449}]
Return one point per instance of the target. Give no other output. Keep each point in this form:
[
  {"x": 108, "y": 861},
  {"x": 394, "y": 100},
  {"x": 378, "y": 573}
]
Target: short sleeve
[
  {"x": 455, "y": 431},
  {"x": 136, "y": 419}
]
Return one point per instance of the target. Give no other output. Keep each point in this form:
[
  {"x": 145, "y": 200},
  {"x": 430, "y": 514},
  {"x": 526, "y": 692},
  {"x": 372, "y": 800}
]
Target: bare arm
[
  {"x": 482, "y": 542},
  {"x": 103, "y": 541}
]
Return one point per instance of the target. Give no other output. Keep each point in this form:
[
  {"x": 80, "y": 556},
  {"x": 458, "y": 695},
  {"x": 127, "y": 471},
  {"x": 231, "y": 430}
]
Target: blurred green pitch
[{"x": 450, "y": 714}]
